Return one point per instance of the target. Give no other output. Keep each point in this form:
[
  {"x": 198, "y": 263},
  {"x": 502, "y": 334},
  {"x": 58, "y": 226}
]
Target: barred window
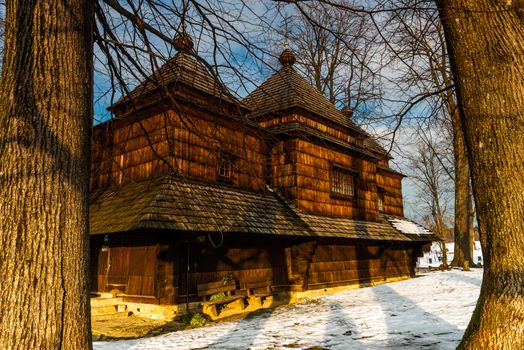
[
  {"x": 342, "y": 181},
  {"x": 380, "y": 199},
  {"x": 224, "y": 166}
]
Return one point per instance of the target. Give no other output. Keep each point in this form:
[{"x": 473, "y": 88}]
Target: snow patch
[{"x": 409, "y": 227}]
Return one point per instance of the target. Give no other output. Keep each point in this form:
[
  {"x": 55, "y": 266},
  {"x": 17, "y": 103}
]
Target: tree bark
[
  {"x": 463, "y": 250},
  {"x": 45, "y": 121},
  {"x": 486, "y": 42}
]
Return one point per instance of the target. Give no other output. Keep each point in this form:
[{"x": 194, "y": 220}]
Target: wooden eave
[
  {"x": 357, "y": 133},
  {"x": 389, "y": 170},
  {"x": 176, "y": 90},
  {"x": 299, "y": 130},
  {"x": 160, "y": 105}
]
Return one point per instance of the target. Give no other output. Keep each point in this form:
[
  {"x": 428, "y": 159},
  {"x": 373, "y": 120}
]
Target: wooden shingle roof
[
  {"x": 181, "y": 204},
  {"x": 182, "y": 68},
  {"x": 286, "y": 89},
  {"x": 340, "y": 227},
  {"x": 372, "y": 144}
]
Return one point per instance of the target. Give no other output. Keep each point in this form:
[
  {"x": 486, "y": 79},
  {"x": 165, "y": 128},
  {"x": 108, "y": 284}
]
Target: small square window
[
  {"x": 381, "y": 193},
  {"x": 380, "y": 201},
  {"x": 342, "y": 182},
  {"x": 224, "y": 166}
]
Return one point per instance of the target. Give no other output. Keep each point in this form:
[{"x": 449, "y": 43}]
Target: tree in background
[
  {"x": 415, "y": 35},
  {"x": 432, "y": 182},
  {"x": 340, "y": 56}
]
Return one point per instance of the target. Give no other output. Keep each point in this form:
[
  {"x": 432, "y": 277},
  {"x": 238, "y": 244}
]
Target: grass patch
[
  {"x": 193, "y": 319},
  {"x": 217, "y": 296}
]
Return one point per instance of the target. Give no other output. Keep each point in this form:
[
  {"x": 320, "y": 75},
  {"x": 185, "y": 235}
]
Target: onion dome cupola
[
  {"x": 287, "y": 57},
  {"x": 182, "y": 41}
]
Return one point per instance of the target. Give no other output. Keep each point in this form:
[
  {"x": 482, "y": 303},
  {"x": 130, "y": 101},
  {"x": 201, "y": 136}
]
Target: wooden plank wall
[
  {"x": 343, "y": 264},
  {"x": 136, "y": 266},
  {"x": 166, "y": 142},
  {"x": 300, "y": 171},
  {"x": 392, "y": 185},
  {"x": 332, "y": 263},
  {"x": 313, "y": 166},
  {"x": 247, "y": 263},
  {"x": 126, "y": 263},
  {"x": 399, "y": 260},
  {"x": 283, "y": 167}
]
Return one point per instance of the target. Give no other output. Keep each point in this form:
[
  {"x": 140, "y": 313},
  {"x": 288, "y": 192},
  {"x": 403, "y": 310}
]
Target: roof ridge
[
  {"x": 271, "y": 97},
  {"x": 185, "y": 68}
]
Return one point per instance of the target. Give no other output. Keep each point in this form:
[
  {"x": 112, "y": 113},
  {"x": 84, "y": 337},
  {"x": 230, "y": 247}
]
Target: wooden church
[{"x": 191, "y": 186}]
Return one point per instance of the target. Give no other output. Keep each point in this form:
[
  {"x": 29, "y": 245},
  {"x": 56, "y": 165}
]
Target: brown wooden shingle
[
  {"x": 182, "y": 204},
  {"x": 287, "y": 89},
  {"x": 182, "y": 68}
]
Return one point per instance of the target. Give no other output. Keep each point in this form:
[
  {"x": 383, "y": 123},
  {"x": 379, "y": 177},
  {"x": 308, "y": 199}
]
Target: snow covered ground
[{"x": 427, "y": 312}]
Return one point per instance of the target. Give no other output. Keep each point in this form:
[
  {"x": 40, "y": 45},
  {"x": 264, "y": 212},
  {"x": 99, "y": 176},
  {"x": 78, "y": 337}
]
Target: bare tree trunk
[
  {"x": 486, "y": 42},
  {"x": 45, "y": 121},
  {"x": 463, "y": 249},
  {"x": 471, "y": 225},
  {"x": 439, "y": 222}
]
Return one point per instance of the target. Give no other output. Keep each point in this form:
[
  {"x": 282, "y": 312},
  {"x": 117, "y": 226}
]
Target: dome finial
[
  {"x": 182, "y": 41},
  {"x": 287, "y": 57}
]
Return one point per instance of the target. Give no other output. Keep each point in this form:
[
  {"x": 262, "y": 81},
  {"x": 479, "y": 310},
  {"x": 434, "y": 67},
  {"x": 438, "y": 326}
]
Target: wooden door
[
  {"x": 99, "y": 254},
  {"x": 118, "y": 268},
  {"x": 141, "y": 270},
  {"x": 131, "y": 266},
  {"x": 166, "y": 288}
]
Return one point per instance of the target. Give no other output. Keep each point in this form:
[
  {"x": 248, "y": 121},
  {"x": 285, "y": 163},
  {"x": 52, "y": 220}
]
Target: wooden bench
[
  {"x": 206, "y": 290},
  {"x": 264, "y": 291}
]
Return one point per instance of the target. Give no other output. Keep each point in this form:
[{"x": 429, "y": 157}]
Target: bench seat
[
  {"x": 206, "y": 290},
  {"x": 225, "y": 300},
  {"x": 257, "y": 298}
]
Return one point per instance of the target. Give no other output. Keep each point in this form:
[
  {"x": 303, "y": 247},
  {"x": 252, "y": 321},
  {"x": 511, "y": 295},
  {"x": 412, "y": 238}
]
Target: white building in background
[{"x": 433, "y": 258}]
